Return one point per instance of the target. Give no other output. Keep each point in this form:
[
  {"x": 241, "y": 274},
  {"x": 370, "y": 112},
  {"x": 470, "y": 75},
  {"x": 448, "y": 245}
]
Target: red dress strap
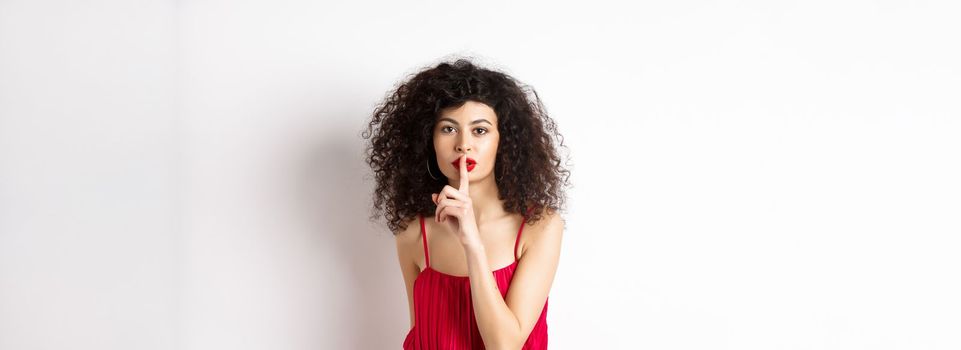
[
  {"x": 521, "y": 230},
  {"x": 423, "y": 233}
]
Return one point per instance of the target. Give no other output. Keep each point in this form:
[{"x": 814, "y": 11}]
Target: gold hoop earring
[{"x": 428, "y": 171}]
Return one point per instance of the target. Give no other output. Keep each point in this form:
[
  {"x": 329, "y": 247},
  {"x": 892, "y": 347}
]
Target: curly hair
[{"x": 527, "y": 168}]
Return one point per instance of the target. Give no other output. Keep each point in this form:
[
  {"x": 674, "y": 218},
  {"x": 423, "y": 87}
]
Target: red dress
[{"x": 443, "y": 312}]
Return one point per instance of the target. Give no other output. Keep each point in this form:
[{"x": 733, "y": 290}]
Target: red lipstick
[{"x": 470, "y": 164}]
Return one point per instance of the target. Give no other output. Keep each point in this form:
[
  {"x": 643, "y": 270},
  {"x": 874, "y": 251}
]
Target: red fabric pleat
[{"x": 444, "y": 314}]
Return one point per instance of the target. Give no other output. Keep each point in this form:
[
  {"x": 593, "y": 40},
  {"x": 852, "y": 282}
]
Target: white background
[{"x": 747, "y": 175}]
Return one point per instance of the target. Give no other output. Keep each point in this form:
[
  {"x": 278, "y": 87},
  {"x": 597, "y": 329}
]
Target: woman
[{"x": 470, "y": 184}]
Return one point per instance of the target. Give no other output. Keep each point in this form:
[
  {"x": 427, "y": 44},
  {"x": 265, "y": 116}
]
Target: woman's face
[{"x": 471, "y": 129}]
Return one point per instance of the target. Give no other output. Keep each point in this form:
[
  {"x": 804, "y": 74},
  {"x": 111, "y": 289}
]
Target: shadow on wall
[{"x": 364, "y": 302}]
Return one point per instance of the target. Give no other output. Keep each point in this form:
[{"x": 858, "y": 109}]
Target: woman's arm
[{"x": 507, "y": 323}]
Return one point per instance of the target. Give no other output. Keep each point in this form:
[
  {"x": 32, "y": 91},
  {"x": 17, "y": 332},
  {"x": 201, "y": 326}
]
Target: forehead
[{"x": 469, "y": 112}]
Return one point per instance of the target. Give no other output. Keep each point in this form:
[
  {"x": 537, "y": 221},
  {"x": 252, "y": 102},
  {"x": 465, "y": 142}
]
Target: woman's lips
[{"x": 470, "y": 164}]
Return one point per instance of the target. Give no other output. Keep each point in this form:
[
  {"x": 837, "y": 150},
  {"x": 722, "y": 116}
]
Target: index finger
[{"x": 464, "y": 181}]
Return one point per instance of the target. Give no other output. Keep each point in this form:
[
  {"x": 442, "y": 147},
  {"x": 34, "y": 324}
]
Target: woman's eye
[{"x": 449, "y": 129}]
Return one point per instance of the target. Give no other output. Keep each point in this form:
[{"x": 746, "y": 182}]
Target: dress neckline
[{"x": 461, "y": 277}]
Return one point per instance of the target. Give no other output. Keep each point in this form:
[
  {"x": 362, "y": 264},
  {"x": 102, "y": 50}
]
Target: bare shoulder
[
  {"x": 407, "y": 238},
  {"x": 551, "y": 223},
  {"x": 410, "y": 233},
  {"x": 546, "y": 232}
]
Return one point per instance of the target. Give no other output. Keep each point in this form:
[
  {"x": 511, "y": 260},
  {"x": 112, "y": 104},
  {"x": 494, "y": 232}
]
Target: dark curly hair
[{"x": 527, "y": 168}]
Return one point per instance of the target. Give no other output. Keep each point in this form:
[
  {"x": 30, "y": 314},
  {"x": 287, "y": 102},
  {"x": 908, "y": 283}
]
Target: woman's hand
[{"x": 455, "y": 208}]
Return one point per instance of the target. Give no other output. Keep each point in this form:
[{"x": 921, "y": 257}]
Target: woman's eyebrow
[{"x": 482, "y": 120}]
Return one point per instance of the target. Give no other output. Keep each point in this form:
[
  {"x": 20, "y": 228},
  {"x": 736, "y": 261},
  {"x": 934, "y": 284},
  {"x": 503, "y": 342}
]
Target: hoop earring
[{"x": 428, "y": 171}]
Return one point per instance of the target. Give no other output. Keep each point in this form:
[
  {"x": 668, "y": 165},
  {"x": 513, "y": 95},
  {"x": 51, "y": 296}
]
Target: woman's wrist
[{"x": 473, "y": 245}]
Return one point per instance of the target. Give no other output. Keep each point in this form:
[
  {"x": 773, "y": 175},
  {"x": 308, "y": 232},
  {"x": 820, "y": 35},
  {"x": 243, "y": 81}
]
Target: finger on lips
[
  {"x": 450, "y": 196},
  {"x": 464, "y": 181}
]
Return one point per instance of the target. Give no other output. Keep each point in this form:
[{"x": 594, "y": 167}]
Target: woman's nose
[{"x": 463, "y": 148}]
